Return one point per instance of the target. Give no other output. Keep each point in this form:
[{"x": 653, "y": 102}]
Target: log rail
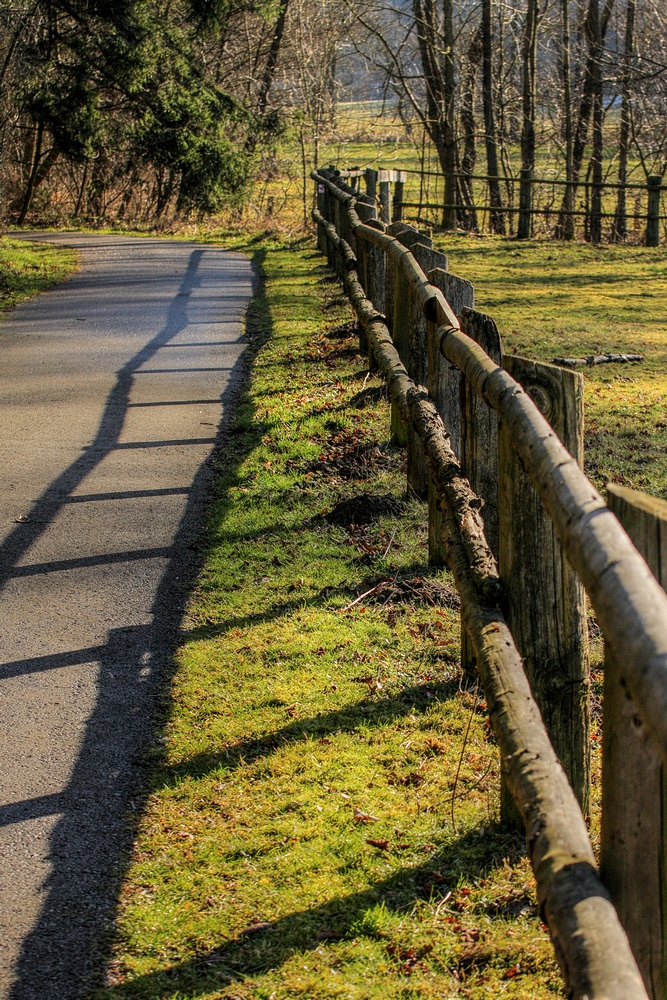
[{"x": 631, "y": 607}]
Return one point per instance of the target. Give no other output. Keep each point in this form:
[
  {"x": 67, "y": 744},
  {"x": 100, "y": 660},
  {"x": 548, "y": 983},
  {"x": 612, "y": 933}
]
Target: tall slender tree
[
  {"x": 620, "y": 226},
  {"x": 490, "y": 136},
  {"x": 529, "y": 66}
]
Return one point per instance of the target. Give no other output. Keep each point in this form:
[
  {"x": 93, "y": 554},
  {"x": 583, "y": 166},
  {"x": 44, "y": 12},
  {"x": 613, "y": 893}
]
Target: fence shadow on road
[{"x": 63, "y": 956}]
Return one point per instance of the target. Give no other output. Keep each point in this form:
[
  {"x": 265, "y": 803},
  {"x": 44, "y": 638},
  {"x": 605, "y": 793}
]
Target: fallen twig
[
  {"x": 597, "y": 359},
  {"x": 361, "y": 596}
]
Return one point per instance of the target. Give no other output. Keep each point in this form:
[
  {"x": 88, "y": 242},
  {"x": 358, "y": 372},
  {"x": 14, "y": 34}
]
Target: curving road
[{"x": 113, "y": 391}]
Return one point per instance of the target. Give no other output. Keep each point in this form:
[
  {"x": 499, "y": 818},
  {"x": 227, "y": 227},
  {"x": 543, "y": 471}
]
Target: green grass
[
  {"x": 29, "y": 268},
  {"x": 305, "y": 834},
  {"x": 557, "y": 299},
  {"x": 292, "y": 706}
]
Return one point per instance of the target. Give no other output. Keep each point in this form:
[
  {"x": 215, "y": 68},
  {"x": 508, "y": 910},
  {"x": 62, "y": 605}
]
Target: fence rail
[
  {"x": 418, "y": 195},
  {"x": 417, "y": 320}
]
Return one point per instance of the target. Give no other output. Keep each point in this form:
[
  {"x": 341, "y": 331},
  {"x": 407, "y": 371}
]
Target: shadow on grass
[
  {"x": 267, "y": 946},
  {"x": 368, "y": 711},
  {"x": 324, "y": 599}
]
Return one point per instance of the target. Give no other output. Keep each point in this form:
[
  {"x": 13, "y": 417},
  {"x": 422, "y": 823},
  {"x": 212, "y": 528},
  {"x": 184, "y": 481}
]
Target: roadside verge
[{"x": 321, "y": 818}]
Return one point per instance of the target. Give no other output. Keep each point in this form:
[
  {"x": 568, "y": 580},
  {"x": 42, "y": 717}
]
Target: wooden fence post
[
  {"x": 546, "y": 601},
  {"x": 328, "y": 214},
  {"x": 362, "y": 249},
  {"x": 385, "y": 195},
  {"x": 322, "y": 241},
  {"x": 653, "y": 212},
  {"x": 397, "y": 311},
  {"x": 444, "y": 387},
  {"x": 366, "y": 211},
  {"x": 376, "y": 270},
  {"x": 479, "y": 447},
  {"x": 399, "y": 184},
  {"x": 417, "y": 359},
  {"x": 633, "y": 856},
  {"x": 371, "y": 182}
]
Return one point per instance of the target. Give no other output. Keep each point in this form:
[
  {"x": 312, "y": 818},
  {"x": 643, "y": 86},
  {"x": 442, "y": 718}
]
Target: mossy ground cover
[
  {"x": 322, "y": 813},
  {"x": 557, "y": 299},
  {"x": 28, "y": 268}
]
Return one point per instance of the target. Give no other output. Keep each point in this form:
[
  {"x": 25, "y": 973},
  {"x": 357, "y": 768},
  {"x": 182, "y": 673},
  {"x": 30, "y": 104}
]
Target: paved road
[{"x": 113, "y": 390}]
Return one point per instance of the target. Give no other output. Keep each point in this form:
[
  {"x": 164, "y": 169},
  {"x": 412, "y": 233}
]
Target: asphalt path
[{"x": 114, "y": 389}]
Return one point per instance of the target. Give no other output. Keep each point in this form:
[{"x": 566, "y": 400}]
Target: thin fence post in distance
[
  {"x": 371, "y": 182},
  {"x": 385, "y": 195},
  {"x": 397, "y": 207},
  {"x": 322, "y": 241},
  {"x": 633, "y": 862},
  {"x": 479, "y": 446},
  {"x": 653, "y": 212},
  {"x": 546, "y": 601}
]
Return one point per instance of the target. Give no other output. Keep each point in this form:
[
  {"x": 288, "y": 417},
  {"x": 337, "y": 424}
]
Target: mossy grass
[
  {"x": 28, "y": 268},
  {"x": 572, "y": 299},
  {"x": 322, "y": 813}
]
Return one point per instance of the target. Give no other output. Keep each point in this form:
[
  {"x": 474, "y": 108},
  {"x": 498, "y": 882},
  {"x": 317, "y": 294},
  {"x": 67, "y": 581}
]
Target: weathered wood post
[
  {"x": 525, "y": 226},
  {"x": 385, "y": 195},
  {"x": 397, "y": 311},
  {"x": 546, "y": 609},
  {"x": 329, "y": 215},
  {"x": 479, "y": 446},
  {"x": 395, "y": 230},
  {"x": 337, "y": 209},
  {"x": 417, "y": 359},
  {"x": 322, "y": 209},
  {"x": 633, "y": 856},
  {"x": 399, "y": 184},
  {"x": 444, "y": 387},
  {"x": 366, "y": 211},
  {"x": 653, "y": 212},
  {"x": 376, "y": 270},
  {"x": 371, "y": 182}
]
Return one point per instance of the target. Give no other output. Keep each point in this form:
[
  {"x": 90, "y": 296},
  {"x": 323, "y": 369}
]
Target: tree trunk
[
  {"x": 30, "y": 189},
  {"x": 528, "y": 125},
  {"x": 449, "y": 134},
  {"x": 468, "y": 129},
  {"x": 620, "y": 227},
  {"x": 495, "y": 198},
  {"x": 565, "y": 229},
  {"x": 587, "y": 97},
  {"x": 438, "y": 75},
  {"x": 595, "y": 42}
]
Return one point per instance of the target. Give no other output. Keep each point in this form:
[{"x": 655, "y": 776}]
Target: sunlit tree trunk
[
  {"x": 620, "y": 227},
  {"x": 495, "y": 198},
  {"x": 528, "y": 123}
]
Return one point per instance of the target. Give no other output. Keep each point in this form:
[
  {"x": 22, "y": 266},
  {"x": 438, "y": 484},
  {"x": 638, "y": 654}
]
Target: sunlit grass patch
[
  {"x": 322, "y": 820},
  {"x": 573, "y": 300},
  {"x": 28, "y": 268}
]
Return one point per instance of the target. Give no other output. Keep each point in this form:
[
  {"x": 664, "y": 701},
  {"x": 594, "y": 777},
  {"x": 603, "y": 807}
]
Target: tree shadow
[
  {"x": 368, "y": 711},
  {"x": 266, "y": 946}
]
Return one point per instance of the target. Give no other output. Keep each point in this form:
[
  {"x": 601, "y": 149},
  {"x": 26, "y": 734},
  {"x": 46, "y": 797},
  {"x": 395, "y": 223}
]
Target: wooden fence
[
  {"x": 418, "y": 195},
  {"x": 494, "y": 444}
]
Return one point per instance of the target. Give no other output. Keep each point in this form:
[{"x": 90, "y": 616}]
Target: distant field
[
  {"x": 558, "y": 299},
  {"x": 371, "y": 134}
]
